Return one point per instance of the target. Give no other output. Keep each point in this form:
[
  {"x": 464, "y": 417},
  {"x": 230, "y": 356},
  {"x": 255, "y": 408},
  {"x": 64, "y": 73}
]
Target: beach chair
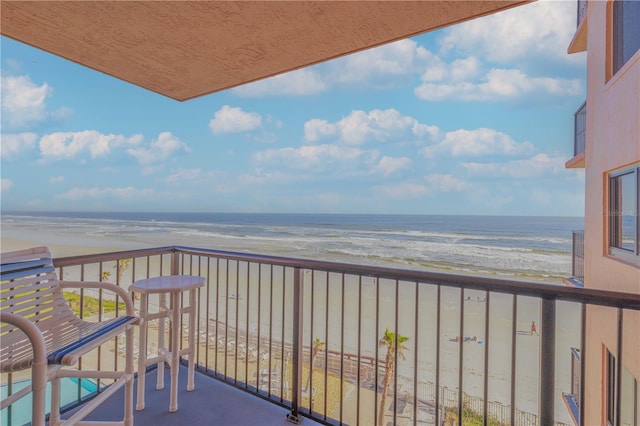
[{"x": 39, "y": 331}]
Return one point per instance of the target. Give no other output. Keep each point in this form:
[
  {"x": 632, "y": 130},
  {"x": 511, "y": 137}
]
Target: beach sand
[{"x": 499, "y": 356}]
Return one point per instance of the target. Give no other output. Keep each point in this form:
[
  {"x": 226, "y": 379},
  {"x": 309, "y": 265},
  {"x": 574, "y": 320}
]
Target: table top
[{"x": 167, "y": 284}]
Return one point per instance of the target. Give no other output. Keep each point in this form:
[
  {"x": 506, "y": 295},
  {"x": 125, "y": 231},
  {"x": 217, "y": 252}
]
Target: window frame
[
  {"x": 613, "y": 216},
  {"x": 617, "y": 37}
]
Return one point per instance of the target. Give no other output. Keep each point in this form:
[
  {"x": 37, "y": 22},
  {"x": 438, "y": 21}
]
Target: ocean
[{"x": 515, "y": 247}]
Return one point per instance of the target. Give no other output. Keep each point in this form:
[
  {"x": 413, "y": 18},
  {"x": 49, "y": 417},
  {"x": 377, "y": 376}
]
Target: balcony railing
[
  {"x": 580, "y": 127},
  {"x": 577, "y": 258},
  {"x": 572, "y": 398},
  {"x": 440, "y": 347},
  {"x": 582, "y": 11}
]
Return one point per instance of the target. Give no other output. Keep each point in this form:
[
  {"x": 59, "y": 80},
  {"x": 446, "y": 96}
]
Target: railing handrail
[{"x": 521, "y": 288}]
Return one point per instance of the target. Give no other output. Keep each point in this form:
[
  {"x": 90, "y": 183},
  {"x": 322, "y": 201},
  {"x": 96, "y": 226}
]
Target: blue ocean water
[{"x": 505, "y": 246}]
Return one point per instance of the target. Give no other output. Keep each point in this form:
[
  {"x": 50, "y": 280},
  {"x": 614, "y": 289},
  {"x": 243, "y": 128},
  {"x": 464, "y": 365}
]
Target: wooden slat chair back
[{"x": 39, "y": 330}]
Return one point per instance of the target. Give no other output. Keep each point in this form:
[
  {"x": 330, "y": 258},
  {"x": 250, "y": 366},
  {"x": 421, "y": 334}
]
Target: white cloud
[
  {"x": 446, "y": 183},
  {"x": 184, "y": 175},
  {"x": 476, "y": 143},
  {"x": 542, "y": 29},
  {"x": 390, "y": 165},
  {"x": 538, "y": 165},
  {"x": 315, "y": 156},
  {"x": 464, "y": 69},
  {"x": 317, "y": 129},
  {"x": 23, "y": 102},
  {"x": 124, "y": 193},
  {"x": 381, "y": 67},
  {"x": 16, "y": 143},
  {"x": 56, "y": 179},
  {"x": 377, "y": 125},
  {"x": 233, "y": 120},
  {"x": 497, "y": 84},
  {"x": 458, "y": 70},
  {"x": 160, "y": 149},
  {"x": 401, "y": 190},
  {"x": 5, "y": 185},
  {"x": 65, "y": 145},
  {"x": 302, "y": 82}
]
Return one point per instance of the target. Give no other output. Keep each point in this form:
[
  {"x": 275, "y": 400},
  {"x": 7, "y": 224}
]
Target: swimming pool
[{"x": 21, "y": 409}]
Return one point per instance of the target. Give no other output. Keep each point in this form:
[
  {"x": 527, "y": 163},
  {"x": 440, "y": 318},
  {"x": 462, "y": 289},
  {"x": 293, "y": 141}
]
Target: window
[
  {"x": 611, "y": 388},
  {"x": 629, "y": 399},
  {"x": 626, "y": 37},
  {"x": 624, "y": 232}
]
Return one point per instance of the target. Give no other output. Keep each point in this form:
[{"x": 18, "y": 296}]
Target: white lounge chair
[{"x": 40, "y": 331}]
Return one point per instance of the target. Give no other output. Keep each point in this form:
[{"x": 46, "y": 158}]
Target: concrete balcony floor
[{"x": 210, "y": 403}]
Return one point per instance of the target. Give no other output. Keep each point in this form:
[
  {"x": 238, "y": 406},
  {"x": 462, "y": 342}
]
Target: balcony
[
  {"x": 577, "y": 261},
  {"x": 477, "y": 349},
  {"x": 582, "y": 11},
  {"x": 579, "y": 138},
  {"x": 579, "y": 41},
  {"x": 572, "y": 398}
]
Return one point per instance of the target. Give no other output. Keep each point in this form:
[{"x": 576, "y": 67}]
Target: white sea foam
[{"x": 510, "y": 247}]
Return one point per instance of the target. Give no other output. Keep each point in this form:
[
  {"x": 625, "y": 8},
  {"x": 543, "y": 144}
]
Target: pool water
[{"x": 21, "y": 409}]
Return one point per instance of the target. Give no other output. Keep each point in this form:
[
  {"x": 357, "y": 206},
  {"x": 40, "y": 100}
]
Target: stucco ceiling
[{"x": 186, "y": 49}]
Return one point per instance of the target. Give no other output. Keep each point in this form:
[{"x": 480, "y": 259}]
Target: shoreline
[
  {"x": 63, "y": 246},
  {"x": 494, "y": 249}
]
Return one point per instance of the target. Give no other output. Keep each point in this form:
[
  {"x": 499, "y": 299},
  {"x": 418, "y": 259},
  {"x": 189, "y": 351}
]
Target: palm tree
[
  {"x": 390, "y": 340},
  {"x": 121, "y": 266},
  {"x": 317, "y": 346}
]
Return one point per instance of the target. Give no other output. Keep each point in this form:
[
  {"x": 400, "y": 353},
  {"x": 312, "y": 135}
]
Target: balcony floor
[{"x": 211, "y": 403}]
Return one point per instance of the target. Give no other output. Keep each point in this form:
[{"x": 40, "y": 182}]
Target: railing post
[
  {"x": 547, "y": 361},
  {"x": 296, "y": 359},
  {"x": 175, "y": 267}
]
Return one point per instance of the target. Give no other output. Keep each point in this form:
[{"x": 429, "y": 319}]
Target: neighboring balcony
[
  {"x": 577, "y": 261},
  {"x": 579, "y": 41},
  {"x": 572, "y": 399},
  {"x": 353, "y": 344},
  {"x": 582, "y": 11},
  {"x": 579, "y": 138}
]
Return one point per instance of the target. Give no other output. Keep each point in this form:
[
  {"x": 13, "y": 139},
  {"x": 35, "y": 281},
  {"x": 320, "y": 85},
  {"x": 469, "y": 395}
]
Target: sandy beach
[{"x": 343, "y": 338}]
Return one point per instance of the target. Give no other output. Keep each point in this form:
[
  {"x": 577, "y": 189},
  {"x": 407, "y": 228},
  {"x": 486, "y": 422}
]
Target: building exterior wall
[{"x": 612, "y": 143}]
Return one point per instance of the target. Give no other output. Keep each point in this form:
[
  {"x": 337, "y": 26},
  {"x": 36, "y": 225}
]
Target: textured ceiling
[{"x": 185, "y": 49}]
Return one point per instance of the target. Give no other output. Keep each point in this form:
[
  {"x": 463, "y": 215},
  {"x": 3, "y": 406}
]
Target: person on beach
[{"x": 534, "y": 330}]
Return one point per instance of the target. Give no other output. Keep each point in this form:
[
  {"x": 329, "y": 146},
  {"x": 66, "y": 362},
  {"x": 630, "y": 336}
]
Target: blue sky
[{"x": 476, "y": 118}]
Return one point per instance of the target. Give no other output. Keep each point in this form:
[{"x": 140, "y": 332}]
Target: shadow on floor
[{"x": 210, "y": 403}]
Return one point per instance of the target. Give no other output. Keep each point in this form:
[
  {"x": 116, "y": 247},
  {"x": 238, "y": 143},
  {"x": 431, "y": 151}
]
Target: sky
[{"x": 476, "y": 118}]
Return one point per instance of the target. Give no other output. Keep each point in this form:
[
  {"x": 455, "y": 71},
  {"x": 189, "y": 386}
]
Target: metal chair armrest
[{"x": 39, "y": 367}]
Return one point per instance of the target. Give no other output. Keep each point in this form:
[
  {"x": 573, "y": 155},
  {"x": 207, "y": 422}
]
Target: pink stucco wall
[{"x": 612, "y": 143}]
